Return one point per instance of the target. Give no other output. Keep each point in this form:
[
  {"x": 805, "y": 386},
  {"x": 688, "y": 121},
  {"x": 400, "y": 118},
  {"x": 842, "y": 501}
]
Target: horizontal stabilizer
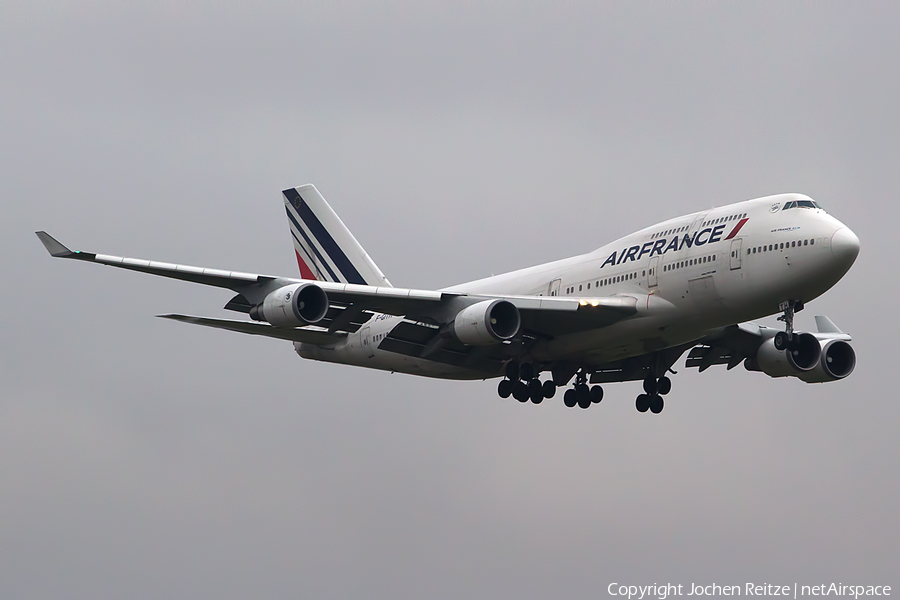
[{"x": 293, "y": 334}]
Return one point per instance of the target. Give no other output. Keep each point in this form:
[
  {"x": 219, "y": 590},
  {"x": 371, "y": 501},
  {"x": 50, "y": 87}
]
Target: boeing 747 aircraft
[{"x": 624, "y": 312}]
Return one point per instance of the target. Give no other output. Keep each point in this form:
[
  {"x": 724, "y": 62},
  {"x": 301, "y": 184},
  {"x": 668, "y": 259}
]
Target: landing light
[
  {"x": 583, "y": 302},
  {"x": 595, "y": 303}
]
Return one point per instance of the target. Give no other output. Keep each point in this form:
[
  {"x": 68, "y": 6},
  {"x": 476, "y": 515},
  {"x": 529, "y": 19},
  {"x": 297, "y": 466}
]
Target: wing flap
[{"x": 294, "y": 334}]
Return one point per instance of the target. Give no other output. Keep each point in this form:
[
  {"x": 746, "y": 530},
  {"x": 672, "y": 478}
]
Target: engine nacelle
[
  {"x": 487, "y": 322},
  {"x": 783, "y": 363},
  {"x": 293, "y": 305},
  {"x": 837, "y": 360}
]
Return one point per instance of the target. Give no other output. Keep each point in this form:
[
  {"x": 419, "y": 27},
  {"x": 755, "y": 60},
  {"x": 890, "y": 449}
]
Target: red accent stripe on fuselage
[
  {"x": 305, "y": 271},
  {"x": 737, "y": 228}
]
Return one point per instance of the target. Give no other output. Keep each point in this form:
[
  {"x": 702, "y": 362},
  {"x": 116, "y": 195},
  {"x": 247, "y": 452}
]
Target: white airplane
[{"x": 624, "y": 312}]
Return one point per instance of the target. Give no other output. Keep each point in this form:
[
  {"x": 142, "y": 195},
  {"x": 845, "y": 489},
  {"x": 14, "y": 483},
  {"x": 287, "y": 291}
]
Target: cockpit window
[{"x": 800, "y": 204}]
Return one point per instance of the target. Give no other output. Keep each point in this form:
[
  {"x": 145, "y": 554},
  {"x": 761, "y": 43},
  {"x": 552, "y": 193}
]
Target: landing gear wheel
[
  {"x": 782, "y": 340},
  {"x": 650, "y": 385},
  {"x": 520, "y": 391},
  {"x": 642, "y": 403},
  {"x": 526, "y": 371},
  {"x": 584, "y": 399},
  {"x": 512, "y": 370},
  {"x": 656, "y": 404},
  {"x": 504, "y": 388},
  {"x": 570, "y": 398},
  {"x": 535, "y": 392},
  {"x": 596, "y": 394},
  {"x": 663, "y": 386},
  {"x": 549, "y": 389},
  {"x": 583, "y": 394}
]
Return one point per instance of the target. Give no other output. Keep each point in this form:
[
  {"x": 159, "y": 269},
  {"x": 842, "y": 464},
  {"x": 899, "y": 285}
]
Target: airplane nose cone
[{"x": 845, "y": 246}]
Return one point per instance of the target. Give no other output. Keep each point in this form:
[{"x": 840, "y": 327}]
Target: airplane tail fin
[{"x": 325, "y": 248}]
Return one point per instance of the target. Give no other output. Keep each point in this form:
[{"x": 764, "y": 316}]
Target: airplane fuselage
[{"x": 689, "y": 275}]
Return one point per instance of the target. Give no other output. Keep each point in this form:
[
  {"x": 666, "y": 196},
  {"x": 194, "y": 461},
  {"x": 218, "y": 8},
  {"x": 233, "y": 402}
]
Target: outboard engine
[
  {"x": 837, "y": 360},
  {"x": 293, "y": 305}
]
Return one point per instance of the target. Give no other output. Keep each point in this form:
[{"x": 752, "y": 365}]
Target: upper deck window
[{"x": 800, "y": 204}]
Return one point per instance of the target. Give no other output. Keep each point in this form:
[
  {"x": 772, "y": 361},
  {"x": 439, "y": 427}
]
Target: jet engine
[
  {"x": 803, "y": 358},
  {"x": 487, "y": 322},
  {"x": 837, "y": 360},
  {"x": 293, "y": 305}
]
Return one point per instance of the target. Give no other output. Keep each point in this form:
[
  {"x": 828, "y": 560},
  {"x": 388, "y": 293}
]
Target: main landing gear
[
  {"x": 524, "y": 384},
  {"x": 581, "y": 394},
  {"x": 785, "y": 340},
  {"x": 654, "y": 390}
]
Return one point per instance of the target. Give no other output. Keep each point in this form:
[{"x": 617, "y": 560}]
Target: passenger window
[{"x": 805, "y": 242}]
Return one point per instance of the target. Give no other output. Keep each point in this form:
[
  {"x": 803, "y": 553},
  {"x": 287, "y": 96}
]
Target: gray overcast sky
[{"x": 144, "y": 459}]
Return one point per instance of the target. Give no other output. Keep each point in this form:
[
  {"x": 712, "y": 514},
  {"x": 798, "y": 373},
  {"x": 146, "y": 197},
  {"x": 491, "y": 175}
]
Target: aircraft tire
[
  {"x": 642, "y": 403},
  {"x": 656, "y": 404},
  {"x": 504, "y": 388},
  {"x": 584, "y": 400},
  {"x": 596, "y": 394},
  {"x": 663, "y": 386},
  {"x": 781, "y": 340},
  {"x": 526, "y": 371},
  {"x": 650, "y": 385},
  {"x": 520, "y": 391},
  {"x": 535, "y": 391},
  {"x": 570, "y": 398},
  {"x": 549, "y": 388},
  {"x": 512, "y": 370}
]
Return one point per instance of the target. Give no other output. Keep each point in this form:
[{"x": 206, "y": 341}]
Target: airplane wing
[
  {"x": 351, "y": 305},
  {"x": 733, "y": 344},
  {"x": 726, "y": 346}
]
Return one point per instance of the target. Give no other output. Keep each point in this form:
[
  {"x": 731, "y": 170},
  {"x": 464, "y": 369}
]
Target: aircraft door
[
  {"x": 698, "y": 222},
  {"x": 736, "y": 254},
  {"x": 652, "y": 276},
  {"x": 368, "y": 346},
  {"x": 553, "y": 290}
]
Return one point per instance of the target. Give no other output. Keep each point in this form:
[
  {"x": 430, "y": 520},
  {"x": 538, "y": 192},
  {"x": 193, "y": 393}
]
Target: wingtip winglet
[{"x": 53, "y": 246}]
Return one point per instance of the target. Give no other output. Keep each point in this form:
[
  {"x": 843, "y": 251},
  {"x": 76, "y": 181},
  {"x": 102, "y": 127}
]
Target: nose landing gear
[{"x": 785, "y": 340}]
